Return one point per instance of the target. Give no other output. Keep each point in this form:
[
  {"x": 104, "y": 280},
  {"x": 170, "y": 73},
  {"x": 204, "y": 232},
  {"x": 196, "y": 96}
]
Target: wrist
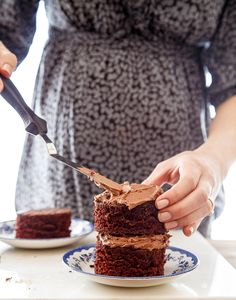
[{"x": 213, "y": 152}]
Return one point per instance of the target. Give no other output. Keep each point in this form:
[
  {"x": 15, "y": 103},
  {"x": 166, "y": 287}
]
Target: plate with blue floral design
[
  {"x": 79, "y": 229},
  {"x": 179, "y": 262}
]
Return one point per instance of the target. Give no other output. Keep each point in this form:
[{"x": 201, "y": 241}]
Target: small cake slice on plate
[{"x": 43, "y": 223}]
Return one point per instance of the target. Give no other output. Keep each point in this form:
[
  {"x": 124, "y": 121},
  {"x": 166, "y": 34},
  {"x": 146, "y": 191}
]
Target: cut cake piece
[{"x": 43, "y": 223}]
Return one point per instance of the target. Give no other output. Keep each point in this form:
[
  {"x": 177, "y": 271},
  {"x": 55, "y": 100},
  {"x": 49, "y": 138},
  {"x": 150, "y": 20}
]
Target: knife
[{"x": 35, "y": 125}]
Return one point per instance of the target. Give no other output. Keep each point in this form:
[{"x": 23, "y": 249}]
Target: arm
[
  {"x": 222, "y": 135},
  {"x": 197, "y": 175}
]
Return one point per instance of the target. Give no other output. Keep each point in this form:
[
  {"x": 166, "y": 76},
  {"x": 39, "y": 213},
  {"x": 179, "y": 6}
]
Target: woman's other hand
[
  {"x": 196, "y": 177},
  {"x": 8, "y": 62}
]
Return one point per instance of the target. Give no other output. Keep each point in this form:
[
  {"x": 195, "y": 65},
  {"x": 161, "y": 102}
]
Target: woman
[{"x": 121, "y": 84}]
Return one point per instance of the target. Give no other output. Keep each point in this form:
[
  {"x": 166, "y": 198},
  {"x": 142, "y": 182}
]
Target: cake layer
[
  {"x": 45, "y": 223},
  {"x": 128, "y": 261},
  {"x": 117, "y": 219},
  {"x": 37, "y": 234}
]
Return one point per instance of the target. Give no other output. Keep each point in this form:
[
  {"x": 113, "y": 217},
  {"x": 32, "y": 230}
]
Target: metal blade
[
  {"x": 53, "y": 152},
  {"x": 66, "y": 161},
  {"x": 96, "y": 177}
]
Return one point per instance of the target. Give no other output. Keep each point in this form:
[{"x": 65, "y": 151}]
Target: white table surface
[{"x": 41, "y": 274}]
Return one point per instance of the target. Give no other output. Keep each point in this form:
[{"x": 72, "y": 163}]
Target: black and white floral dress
[{"x": 121, "y": 85}]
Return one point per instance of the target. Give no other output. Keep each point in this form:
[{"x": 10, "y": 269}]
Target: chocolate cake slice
[
  {"x": 43, "y": 224},
  {"x": 131, "y": 241}
]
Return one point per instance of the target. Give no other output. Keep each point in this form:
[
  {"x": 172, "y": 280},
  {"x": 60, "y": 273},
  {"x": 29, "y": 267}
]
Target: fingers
[
  {"x": 189, "y": 203},
  {"x": 190, "y": 229},
  {"x": 159, "y": 175},
  {"x": 189, "y": 212},
  {"x": 8, "y": 62},
  {"x": 188, "y": 180},
  {"x": 200, "y": 213},
  {"x": 167, "y": 171}
]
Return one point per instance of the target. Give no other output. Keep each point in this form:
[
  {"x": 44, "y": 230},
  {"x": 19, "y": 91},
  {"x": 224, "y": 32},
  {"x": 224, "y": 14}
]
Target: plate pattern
[
  {"x": 7, "y": 229},
  {"x": 82, "y": 260},
  {"x": 178, "y": 262}
]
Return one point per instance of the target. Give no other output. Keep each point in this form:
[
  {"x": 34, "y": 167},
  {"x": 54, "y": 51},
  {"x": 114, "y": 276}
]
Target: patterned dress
[{"x": 121, "y": 84}]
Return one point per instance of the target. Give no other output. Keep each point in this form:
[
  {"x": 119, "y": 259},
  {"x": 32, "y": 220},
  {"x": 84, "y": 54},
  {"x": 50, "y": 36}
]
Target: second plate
[{"x": 79, "y": 229}]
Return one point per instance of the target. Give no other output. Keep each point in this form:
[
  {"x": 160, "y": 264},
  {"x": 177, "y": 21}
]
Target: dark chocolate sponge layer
[
  {"x": 127, "y": 261},
  {"x": 37, "y": 234},
  {"x": 47, "y": 223},
  {"x": 118, "y": 220}
]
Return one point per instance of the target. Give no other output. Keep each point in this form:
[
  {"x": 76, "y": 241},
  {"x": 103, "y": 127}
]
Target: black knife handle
[{"x": 33, "y": 124}]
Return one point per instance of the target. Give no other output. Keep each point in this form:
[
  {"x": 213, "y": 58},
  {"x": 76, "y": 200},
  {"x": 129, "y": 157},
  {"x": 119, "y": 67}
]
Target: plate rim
[
  {"x": 91, "y": 228},
  {"x": 132, "y": 278}
]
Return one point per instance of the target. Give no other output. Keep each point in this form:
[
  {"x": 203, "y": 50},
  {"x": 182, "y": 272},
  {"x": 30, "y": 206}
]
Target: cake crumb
[
  {"x": 91, "y": 266},
  {"x": 8, "y": 279}
]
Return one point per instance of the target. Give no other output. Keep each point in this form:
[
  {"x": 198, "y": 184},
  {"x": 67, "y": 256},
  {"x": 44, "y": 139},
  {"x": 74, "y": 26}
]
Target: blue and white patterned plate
[
  {"x": 79, "y": 229},
  {"x": 179, "y": 262}
]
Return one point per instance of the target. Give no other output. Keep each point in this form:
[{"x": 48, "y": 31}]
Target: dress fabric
[{"x": 121, "y": 84}]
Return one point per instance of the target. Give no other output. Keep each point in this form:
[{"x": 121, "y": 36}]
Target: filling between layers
[{"x": 150, "y": 242}]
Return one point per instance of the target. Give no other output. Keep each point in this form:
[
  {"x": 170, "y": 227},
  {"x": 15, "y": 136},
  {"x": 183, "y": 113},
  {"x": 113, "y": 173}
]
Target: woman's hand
[
  {"x": 8, "y": 62},
  {"x": 197, "y": 176}
]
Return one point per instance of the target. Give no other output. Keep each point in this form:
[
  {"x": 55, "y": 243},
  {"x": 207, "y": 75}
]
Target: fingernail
[
  {"x": 165, "y": 216},
  {"x": 171, "y": 225},
  {"x": 190, "y": 230},
  {"x": 162, "y": 203},
  {"x": 1, "y": 86},
  {"x": 6, "y": 69}
]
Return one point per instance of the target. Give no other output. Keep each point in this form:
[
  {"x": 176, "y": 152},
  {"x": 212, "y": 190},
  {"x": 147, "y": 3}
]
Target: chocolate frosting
[
  {"x": 131, "y": 195},
  {"x": 45, "y": 211},
  {"x": 149, "y": 242}
]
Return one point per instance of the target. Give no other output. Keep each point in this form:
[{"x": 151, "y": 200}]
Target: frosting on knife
[{"x": 102, "y": 181}]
